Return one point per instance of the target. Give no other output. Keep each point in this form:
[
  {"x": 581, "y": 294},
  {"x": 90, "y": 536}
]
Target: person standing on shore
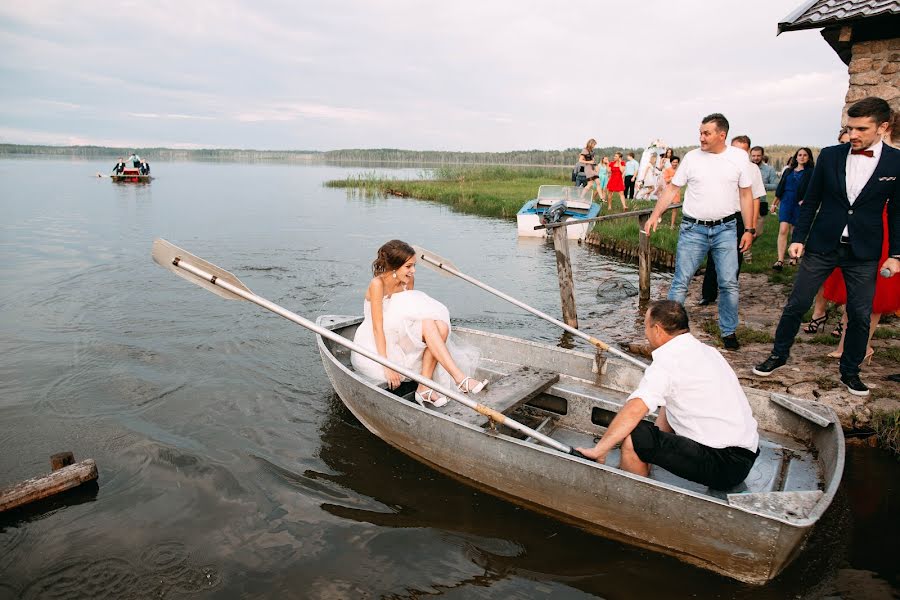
[
  {"x": 788, "y": 198},
  {"x": 718, "y": 178},
  {"x": 631, "y": 169},
  {"x": 710, "y": 290},
  {"x": 616, "y": 184},
  {"x": 841, "y": 225},
  {"x": 769, "y": 179}
]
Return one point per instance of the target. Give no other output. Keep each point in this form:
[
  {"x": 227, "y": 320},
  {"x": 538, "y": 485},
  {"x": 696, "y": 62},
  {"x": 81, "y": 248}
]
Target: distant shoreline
[{"x": 376, "y": 156}]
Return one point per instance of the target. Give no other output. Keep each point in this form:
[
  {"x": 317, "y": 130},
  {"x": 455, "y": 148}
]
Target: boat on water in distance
[
  {"x": 130, "y": 175},
  {"x": 557, "y": 203}
]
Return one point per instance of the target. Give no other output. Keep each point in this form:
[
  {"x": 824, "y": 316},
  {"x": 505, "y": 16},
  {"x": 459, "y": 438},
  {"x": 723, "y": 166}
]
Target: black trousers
[
  {"x": 710, "y": 289},
  {"x": 814, "y": 270},
  {"x": 629, "y": 187},
  {"x": 718, "y": 468}
]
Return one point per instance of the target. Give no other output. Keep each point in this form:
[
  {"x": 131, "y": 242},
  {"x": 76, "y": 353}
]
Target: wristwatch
[{"x": 750, "y": 230}]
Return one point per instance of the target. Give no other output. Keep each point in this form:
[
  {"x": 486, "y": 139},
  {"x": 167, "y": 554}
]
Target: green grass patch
[
  {"x": 887, "y": 333},
  {"x": 887, "y": 429},
  {"x": 892, "y": 354},
  {"x": 745, "y": 335},
  {"x": 823, "y": 339},
  {"x": 488, "y": 191}
]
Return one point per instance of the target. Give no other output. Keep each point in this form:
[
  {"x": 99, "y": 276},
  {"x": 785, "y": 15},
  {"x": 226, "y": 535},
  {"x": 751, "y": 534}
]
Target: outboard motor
[{"x": 555, "y": 213}]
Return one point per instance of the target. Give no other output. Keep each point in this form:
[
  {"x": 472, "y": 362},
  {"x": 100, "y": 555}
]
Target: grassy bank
[{"x": 501, "y": 191}]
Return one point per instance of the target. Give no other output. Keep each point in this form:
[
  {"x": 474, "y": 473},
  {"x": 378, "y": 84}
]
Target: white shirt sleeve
[
  {"x": 758, "y": 189},
  {"x": 654, "y": 386},
  {"x": 681, "y": 174}
]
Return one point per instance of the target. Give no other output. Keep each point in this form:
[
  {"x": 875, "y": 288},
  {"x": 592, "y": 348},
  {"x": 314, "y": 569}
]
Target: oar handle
[
  {"x": 338, "y": 339},
  {"x": 598, "y": 343}
]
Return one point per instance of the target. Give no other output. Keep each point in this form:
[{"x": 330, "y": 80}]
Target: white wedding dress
[{"x": 402, "y": 314}]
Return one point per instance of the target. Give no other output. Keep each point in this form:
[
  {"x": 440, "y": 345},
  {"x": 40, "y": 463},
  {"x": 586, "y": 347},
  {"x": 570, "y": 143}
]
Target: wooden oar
[
  {"x": 224, "y": 284},
  {"x": 444, "y": 266}
]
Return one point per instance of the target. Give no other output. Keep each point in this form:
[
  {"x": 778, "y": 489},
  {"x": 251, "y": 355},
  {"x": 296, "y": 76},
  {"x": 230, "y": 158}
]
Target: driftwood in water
[{"x": 61, "y": 479}]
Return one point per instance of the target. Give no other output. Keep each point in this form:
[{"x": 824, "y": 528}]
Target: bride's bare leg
[
  {"x": 434, "y": 334},
  {"x": 428, "y": 365}
]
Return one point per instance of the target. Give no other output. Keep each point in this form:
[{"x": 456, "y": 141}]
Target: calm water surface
[{"x": 228, "y": 467}]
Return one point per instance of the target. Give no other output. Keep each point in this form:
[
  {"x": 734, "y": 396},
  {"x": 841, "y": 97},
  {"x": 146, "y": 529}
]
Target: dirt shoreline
[{"x": 810, "y": 374}]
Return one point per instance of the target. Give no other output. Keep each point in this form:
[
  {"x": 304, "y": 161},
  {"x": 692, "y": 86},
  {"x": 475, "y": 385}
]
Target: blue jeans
[{"x": 694, "y": 241}]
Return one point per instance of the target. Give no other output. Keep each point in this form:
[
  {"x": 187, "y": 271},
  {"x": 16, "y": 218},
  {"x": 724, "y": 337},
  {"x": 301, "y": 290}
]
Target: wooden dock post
[
  {"x": 65, "y": 476},
  {"x": 564, "y": 272},
  {"x": 643, "y": 259}
]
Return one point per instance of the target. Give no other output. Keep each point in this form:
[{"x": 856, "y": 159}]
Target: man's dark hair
[
  {"x": 670, "y": 315},
  {"x": 760, "y": 148},
  {"x": 717, "y": 118},
  {"x": 678, "y": 158},
  {"x": 631, "y": 154},
  {"x": 875, "y": 108},
  {"x": 742, "y": 139}
]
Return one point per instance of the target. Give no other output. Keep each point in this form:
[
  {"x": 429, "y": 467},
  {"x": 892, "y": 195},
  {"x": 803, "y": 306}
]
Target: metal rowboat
[{"x": 750, "y": 533}]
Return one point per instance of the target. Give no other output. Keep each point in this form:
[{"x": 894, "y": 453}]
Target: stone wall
[{"x": 875, "y": 71}]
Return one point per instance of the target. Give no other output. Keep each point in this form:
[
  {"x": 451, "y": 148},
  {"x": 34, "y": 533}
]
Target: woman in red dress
[
  {"x": 887, "y": 296},
  {"x": 616, "y": 181}
]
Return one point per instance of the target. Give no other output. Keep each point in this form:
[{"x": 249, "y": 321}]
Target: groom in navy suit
[{"x": 841, "y": 226}]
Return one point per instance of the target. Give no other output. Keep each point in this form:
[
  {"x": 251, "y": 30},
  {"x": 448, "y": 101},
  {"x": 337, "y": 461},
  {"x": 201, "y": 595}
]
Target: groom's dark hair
[{"x": 875, "y": 108}]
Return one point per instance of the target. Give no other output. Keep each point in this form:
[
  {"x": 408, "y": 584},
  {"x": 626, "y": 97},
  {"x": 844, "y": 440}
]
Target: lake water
[{"x": 228, "y": 466}]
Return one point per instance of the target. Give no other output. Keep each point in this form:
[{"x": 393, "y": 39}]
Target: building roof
[{"x": 815, "y": 14}]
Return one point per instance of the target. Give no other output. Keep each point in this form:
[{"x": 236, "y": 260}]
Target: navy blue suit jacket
[{"x": 826, "y": 210}]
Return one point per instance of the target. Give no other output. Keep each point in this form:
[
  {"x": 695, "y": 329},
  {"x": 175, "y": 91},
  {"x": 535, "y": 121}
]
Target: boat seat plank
[
  {"x": 783, "y": 505},
  {"x": 813, "y": 411},
  {"x": 504, "y": 394}
]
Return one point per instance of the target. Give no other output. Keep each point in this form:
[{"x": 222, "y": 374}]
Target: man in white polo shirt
[
  {"x": 705, "y": 431},
  {"x": 718, "y": 178}
]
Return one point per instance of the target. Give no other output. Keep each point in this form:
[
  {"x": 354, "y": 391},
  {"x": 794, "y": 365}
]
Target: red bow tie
[{"x": 868, "y": 153}]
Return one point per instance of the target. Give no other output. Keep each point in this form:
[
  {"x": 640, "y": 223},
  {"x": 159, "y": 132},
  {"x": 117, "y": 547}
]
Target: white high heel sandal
[
  {"x": 427, "y": 395},
  {"x": 466, "y": 386}
]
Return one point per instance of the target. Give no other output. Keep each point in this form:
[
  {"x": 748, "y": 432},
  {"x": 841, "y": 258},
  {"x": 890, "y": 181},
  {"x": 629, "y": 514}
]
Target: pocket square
[{"x": 887, "y": 178}]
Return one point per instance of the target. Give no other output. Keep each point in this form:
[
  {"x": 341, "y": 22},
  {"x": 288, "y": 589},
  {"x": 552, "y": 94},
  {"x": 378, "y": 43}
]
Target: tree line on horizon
[{"x": 778, "y": 155}]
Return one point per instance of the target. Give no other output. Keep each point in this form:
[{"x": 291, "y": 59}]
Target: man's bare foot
[{"x": 592, "y": 453}]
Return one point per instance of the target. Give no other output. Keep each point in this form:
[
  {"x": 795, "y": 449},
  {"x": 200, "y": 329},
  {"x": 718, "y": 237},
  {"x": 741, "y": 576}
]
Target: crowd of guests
[
  {"x": 839, "y": 222},
  {"x": 134, "y": 161}
]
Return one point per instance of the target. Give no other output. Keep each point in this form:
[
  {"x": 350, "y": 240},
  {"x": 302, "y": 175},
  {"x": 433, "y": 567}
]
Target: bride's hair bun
[{"x": 391, "y": 256}]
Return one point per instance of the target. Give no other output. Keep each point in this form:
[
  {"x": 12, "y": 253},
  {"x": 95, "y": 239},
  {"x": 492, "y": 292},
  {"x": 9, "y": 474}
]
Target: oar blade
[
  {"x": 165, "y": 254},
  {"x": 433, "y": 260}
]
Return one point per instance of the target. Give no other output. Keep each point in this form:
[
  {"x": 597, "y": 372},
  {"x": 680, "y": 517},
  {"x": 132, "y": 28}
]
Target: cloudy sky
[{"x": 464, "y": 75}]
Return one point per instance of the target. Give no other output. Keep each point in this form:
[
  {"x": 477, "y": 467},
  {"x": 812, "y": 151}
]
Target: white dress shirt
[
  {"x": 859, "y": 170},
  {"x": 704, "y": 400}
]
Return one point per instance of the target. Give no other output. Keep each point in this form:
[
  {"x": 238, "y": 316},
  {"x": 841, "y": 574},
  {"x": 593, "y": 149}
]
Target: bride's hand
[{"x": 393, "y": 378}]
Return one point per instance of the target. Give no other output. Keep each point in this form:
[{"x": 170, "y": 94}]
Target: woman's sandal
[
  {"x": 466, "y": 386},
  {"x": 427, "y": 395},
  {"x": 866, "y": 359},
  {"x": 778, "y": 266},
  {"x": 815, "y": 324},
  {"x": 838, "y": 330}
]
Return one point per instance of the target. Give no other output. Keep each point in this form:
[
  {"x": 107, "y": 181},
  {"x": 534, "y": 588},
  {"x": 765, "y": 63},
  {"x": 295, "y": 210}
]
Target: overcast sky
[{"x": 462, "y": 75}]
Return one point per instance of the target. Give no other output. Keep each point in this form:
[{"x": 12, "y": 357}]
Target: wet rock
[{"x": 616, "y": 289}]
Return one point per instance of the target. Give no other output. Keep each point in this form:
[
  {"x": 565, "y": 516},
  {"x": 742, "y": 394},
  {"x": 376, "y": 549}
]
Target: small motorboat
[
  {"x": 557, "y": 203},
  {"x": 750, "y": 533},
  {"x": 130, "y": 175}
]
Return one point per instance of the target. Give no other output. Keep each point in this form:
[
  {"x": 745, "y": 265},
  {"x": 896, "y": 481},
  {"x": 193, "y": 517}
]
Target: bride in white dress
[{"x": 406, "y": 326}]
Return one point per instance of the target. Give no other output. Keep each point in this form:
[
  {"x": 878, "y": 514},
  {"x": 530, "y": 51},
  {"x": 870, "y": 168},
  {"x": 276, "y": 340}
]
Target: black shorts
[
  {"x": 763, "y": 208},
  {"x": 718, "y": 468},
  {"x": 593, "y": 177}
]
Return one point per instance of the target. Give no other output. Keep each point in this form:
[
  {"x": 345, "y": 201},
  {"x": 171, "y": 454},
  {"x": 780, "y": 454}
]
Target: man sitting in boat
[
  {"x": 705, "y": 431},
  {"x": 120, "y": 166},
  {"x": 145, "y": 167}
]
